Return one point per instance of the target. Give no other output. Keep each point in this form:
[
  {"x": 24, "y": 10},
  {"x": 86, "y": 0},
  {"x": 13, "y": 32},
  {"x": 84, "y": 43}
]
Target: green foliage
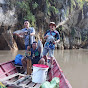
[
  {"x": 34, "y": 5},
  {"x": 24, "y": 6},
  {"x": 29, "y": 8},
  {"x": 73, "y": 4},
  {"x": 67, "y": 12},
  {"x": 51, "y": 8},
  {"x": 31, "y": 18},
  {"x": 78, "y": 3}
]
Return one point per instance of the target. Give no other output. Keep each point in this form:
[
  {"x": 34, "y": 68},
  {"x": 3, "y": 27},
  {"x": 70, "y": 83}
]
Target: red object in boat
[
  {"x": 41, "y": 65},
  {"x": 9, "y": 68}
]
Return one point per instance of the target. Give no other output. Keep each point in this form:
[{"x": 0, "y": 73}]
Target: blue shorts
[{"x": 51, "y": 52}]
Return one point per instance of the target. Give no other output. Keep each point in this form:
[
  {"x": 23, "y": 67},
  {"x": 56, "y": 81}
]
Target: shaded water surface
[{"x": 74, "y": 64}]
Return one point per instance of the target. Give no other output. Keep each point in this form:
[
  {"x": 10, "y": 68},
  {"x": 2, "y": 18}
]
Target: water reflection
[{"x": 74, "y": 64}]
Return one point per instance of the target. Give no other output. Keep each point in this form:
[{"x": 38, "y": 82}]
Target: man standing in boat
[
  {"x": 52, "y": 37},
  {"x": 29, "y": 34}
]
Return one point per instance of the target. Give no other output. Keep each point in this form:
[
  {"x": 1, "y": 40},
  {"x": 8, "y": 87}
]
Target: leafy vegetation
[
  {"x": 77, "y": 4},
  {"x": 29, "y": 8},
  {"x": 50, "y": 9},
  {"x": 26, "y": 10}
]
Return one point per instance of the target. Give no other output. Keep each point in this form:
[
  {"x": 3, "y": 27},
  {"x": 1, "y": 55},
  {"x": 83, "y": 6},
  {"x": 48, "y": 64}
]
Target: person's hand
[
  {"x": 28, "y": 47},
  {"x": 32, "y": 34},
  {"x": 46, "y": 36},
  {"x": 54, "y": 42}
]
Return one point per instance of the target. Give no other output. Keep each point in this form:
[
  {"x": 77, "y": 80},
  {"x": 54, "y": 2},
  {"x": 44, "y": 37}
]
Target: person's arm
[
  {"x": 46, "y": 36},
  {"x": 57, "y": 37},
  {"x": 57, "y": 41},
  {"x": 33, "y": 32}
]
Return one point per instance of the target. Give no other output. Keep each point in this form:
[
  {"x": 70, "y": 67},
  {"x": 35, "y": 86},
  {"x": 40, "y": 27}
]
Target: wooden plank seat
[
  {"x": 24, "y": 81},
  {"x": 19, "y": 68},
  {"x": 16, "y": 65}
]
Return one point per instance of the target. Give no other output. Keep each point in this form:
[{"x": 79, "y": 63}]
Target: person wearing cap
[
  {"x": 29, "y": 34},
  {"x": 52, "y": 37},
  {"x": 35, "y": 56}
]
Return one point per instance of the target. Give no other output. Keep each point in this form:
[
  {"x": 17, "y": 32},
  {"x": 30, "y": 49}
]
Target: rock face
[
  {"x": 19, "y": 39},
  {"x": 8, "y": 19},
  {"x": 74, "y": 33},
  {"x": 75, "y": 30}
]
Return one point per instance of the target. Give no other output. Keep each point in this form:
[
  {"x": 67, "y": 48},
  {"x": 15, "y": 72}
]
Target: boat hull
[{"x": 8, "y": 68}]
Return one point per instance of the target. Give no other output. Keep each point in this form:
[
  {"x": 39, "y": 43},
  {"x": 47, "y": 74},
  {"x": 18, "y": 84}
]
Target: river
[{"x": 74, "y": 64}]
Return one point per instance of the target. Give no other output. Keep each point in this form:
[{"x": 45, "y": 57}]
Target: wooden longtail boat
[{"x": 10, "y": 77}]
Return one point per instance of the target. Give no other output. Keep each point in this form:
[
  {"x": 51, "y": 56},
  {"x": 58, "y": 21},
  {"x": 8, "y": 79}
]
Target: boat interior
[{"x": 12, "y": 76}]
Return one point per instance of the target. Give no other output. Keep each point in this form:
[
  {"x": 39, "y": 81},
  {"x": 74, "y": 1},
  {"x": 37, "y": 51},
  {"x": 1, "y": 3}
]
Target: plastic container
[{"x": 39, "y": 73}]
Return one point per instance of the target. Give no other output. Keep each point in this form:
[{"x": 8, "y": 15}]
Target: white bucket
[{"x": 39, "y": 73}]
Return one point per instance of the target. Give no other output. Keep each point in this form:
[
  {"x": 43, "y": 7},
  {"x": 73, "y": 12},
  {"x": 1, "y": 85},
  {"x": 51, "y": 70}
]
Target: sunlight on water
[{"x": 74, "y": 64}]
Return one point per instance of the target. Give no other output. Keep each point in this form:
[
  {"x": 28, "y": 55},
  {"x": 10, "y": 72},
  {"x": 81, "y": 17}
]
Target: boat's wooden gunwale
[
  {"x": 62, "y": 76},
  {"x": 22, "y": 83}
]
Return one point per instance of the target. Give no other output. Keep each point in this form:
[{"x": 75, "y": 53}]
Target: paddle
[
  {"x": 29, "y": 64},
  {"x": 29, "y": 71}
]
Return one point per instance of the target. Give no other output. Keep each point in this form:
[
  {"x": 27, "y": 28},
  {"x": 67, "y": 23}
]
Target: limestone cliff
[
  {"x": 8, "y": 19},
  {"x": 73, "y": 21}
]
